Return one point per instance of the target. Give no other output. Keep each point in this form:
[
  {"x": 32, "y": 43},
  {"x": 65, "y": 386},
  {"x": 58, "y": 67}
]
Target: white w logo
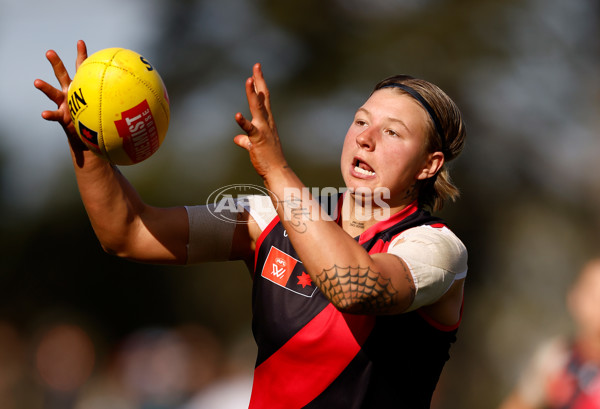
[{"x": 277, "y": 271}]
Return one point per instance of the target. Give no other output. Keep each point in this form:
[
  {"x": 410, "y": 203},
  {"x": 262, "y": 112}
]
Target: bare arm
[
  {"x": 353, "y": 280},
  {"x": 123, "y": 223},
  {"x": 348, "y": 276}
]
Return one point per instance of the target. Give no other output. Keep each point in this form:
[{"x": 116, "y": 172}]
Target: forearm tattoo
[
  {"x": 352, "y": 289},
  {"x": 296, "y": 213},
  {"x": 360, "y": 289}
]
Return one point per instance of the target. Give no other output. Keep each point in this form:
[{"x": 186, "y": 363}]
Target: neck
[{"x": 358, "y": 215}]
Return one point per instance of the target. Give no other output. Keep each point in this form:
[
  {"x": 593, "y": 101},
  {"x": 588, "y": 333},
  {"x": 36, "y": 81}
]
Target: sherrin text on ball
[{"x": 119, "y": 106}]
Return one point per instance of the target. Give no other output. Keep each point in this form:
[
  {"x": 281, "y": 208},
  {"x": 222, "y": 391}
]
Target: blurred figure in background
[
  {"x": 565, "y": 372},
  {"x": 15, "y": 382}
]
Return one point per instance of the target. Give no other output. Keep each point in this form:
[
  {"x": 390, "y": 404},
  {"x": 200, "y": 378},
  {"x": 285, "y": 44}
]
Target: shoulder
[{"x": 437, "y": 246}]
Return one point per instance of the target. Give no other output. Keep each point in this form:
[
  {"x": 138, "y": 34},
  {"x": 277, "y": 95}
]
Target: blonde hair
[{"x": 446, "y": 134}]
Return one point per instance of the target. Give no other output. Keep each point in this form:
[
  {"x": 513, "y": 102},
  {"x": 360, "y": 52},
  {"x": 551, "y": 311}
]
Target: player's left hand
[{"x": 261, "y": 139}]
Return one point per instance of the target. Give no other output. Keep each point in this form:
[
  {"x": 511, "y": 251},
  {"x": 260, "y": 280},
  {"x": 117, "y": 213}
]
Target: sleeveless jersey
[{"x": 311, "y": 355}]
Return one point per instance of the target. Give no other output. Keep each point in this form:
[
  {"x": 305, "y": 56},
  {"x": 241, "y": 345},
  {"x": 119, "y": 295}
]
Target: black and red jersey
[{"x": 310, "y": 355}]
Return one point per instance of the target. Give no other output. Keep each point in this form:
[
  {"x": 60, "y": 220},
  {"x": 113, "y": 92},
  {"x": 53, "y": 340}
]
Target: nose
[{"x": 366, "y": 139}]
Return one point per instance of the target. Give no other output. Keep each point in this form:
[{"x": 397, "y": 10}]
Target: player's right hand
[{"x": 59, "y": 96}]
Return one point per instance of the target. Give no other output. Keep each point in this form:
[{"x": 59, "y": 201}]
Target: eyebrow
[{"x": 401, "y": 122}]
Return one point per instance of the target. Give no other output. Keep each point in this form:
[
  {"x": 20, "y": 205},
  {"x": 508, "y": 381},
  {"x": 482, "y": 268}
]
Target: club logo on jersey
[
  {"x": 287, "y": 272},
  {"x": 278, "y": 267}
]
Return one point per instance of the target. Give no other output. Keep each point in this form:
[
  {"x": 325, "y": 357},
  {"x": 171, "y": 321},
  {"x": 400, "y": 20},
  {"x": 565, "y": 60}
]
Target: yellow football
[{"x": 119, "y": 106}]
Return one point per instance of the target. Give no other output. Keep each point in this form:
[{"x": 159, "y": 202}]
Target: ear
[{"x": 433, "y": 163}]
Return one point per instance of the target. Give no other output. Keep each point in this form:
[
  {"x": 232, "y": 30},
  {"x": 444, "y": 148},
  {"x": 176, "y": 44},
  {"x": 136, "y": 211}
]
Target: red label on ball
[{"x": 139, "y": 133}]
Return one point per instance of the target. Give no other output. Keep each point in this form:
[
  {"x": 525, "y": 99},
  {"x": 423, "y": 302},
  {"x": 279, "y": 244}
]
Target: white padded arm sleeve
[{"x": 436, "y": 258}]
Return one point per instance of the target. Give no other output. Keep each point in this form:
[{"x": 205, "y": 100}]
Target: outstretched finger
[
  {"x": 51, "y": 92},
  {"x": 246, "y": 125},
  {"x": 243, "y": 140},
  {"x": 256, "y": 102},
  {"x": 261, "y": 85},
  {"x": 59, "y": 69},
  {"x": 81, "y": 53},
  {"x": 55, "y": 116},
  {"x": 262, "y": 91},
  {"x": 252, "y": 96}
]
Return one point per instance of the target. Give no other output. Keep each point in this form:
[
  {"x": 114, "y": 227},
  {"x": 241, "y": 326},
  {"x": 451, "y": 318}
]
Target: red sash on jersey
[{"x": 312, "y": 355}]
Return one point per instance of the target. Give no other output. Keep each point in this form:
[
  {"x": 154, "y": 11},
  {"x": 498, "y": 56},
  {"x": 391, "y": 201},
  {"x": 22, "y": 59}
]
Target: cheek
[
  {"x": 401, "y": 155},
  {"x": 407, "y": 165},
  {"x": 346, "y": 146},
  {"x": 350, "y": 136}
]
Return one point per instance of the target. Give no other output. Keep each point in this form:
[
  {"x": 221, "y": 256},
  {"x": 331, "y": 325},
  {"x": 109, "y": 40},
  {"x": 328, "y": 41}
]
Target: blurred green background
[{"x": 524, "y": 72}]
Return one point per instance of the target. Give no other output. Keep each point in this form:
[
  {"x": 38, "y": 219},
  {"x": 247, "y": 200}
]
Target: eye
[
  {"x": 391, "y": 132},
  {"x": 360, "y": 122}
]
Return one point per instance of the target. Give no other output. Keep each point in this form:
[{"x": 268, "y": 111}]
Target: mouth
[{"x": 362, "y": 168}]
